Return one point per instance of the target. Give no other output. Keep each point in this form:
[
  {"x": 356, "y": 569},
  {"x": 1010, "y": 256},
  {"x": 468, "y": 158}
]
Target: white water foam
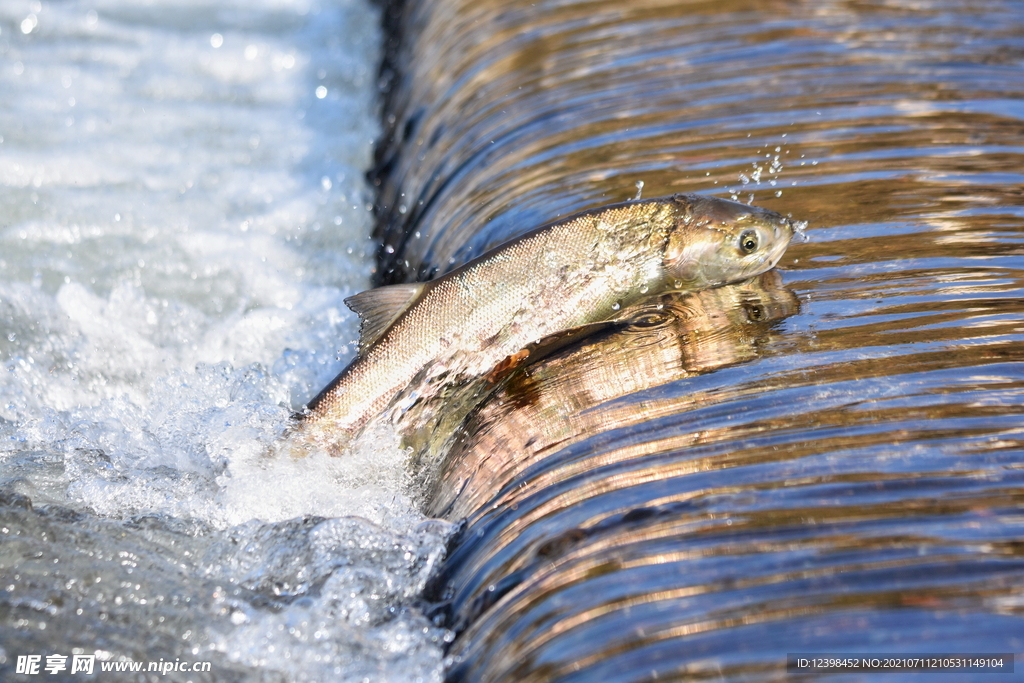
[{"x": 182, "y": 213}]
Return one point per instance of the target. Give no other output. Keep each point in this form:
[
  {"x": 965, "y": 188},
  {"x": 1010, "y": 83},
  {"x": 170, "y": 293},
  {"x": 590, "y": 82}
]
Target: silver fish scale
[{"x": 466, "y": 322}]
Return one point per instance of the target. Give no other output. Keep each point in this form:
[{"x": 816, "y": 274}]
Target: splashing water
[{"x": 182, "y": 213}]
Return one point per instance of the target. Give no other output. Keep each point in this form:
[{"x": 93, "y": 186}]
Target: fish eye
[{"x": 748, "y": 241}]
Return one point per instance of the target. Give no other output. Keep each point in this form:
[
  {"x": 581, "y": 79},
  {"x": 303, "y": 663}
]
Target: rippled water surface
[
  {"x": 828, "y": 458},
  {"x": 827, "y": 462}
]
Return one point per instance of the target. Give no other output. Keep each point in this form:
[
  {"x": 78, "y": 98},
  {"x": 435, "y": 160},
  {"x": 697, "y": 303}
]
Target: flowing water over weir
[
  {"x": 830, "y": 459},
  {"x": 826, "y": 459},
  {"x": 183, "y": 208}
]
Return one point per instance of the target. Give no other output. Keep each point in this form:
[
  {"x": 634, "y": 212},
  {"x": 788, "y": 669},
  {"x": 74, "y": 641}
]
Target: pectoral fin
[
  {"x": 504, "y": 367},
  {"x": 379, "y": 308},
  {"x": 546, "y": 346}
]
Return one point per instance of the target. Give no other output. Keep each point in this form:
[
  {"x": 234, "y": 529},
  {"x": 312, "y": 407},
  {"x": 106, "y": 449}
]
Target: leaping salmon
[{"x": 565, "y": 275}]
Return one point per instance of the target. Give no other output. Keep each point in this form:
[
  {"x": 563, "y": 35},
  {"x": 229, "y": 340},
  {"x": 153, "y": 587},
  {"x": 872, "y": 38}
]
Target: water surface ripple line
[{"x": 828, "y": 459}]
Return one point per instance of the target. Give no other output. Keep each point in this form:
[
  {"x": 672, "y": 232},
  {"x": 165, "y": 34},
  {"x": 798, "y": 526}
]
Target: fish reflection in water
[
  {"x": 857, "y": 488},
  {"x": 636, "y": 503},
  {"x": 597, "y": 386}
]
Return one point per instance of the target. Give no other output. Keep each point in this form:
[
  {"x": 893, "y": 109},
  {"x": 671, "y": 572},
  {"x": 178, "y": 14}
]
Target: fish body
[{"x": 558, "y": 277}]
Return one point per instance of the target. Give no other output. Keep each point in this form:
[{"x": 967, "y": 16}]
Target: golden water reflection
[
  {"x": 574, "y": 395},
  {"x": 695, "y": 500}
]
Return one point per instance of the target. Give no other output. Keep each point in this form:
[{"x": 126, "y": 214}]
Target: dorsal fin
[{"x": 378, "y": 308}]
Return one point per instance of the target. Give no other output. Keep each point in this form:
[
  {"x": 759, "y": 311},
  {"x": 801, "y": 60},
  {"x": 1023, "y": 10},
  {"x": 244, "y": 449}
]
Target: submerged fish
[{"x": 560, "y": 277}]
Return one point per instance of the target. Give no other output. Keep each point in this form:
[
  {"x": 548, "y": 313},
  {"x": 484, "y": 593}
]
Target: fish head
[{"x": 716, "y": 241}]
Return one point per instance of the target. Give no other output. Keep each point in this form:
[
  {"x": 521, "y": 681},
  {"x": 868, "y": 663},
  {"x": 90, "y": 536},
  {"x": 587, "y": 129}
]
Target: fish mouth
[{"x": 782, "y": 230}]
